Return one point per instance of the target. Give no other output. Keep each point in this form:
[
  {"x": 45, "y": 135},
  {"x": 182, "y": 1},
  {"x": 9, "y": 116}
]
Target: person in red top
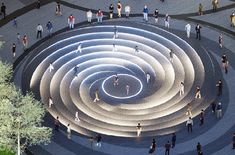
[
  {"x": 25, "y": 42},
  {"x": 71, "y": 21},
  {"x": 99, "y": 16},
  {"x": 119, "y": 8}
]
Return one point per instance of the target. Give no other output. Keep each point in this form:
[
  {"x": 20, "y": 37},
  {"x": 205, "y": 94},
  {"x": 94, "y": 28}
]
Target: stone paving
[{"x": 27, "y": 25}]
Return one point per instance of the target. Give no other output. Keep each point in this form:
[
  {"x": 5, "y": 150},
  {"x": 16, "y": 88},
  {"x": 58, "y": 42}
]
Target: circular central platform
[
  {"x": 83, "y": 81},
  {"x": 122, "y": 86}
]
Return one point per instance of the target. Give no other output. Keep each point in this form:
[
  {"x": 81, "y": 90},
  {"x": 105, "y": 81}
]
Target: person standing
[
  {"x": 220, "y": 40},
  {"x": 76, "y": 117},
  {"x": 225, "y": 63},
  {"x": 13, "y": 48},
  {"x": 198, "y": 31},
  {"x": 188, "y": 29},
  {"x": 189, "y": 111},
  {"x": 173, "y": 140},
  {"x": 111, "y": 8},
  {"x": 202, "y": 117},
  {"x": 25, "y": 42},
  {"x": 219, "y": 110},
  {"x": 145, "y": 13},
  {"x": 181, "y": 88},
  {"x": 234, "y": 140},
  {"x": 3, "y": 10},
  {"x": 57, "y": 124},
  {"x": 213, "y": 107},
  {"x": 50, "y": 102},
  {"x": 219, "y": 86},
  {"x": 71, "y": 21},
  {"x": 200, "y": 9},
  {"x": 15, "y": 22},
  {"x": 215, "y": 4},
  {"x": 152, "y": 147},
  {"x": 116, "y": 79},
  {"x": 198, "y": 93},
  {"x": 39, "y": 30},
  {"x": 99, "y": 16},
  {"x": 136, "y": 49},
  {"x": 167, "y": 148},
  {"x": 119, "y": 9},
  {"x": 89, "y": 16},
  {"x": 127, "y": 10},
  {"x": 96, "y": 96},
  {"x": 38, "y": 5},
  {"x": 155, "y": 15},
  {"x": 49, "y": 28},
  {"x": 189, "y": 124},
  {"x": 115, "y": 30},
  {"x": 167, "y": 21},
  {"x": 199, "y": 147},
  {"x": 148, "y": 77},
  {"x": 127, "y": 89},
  {"x": 68, "y": 131},
  {"x": 51, "y": 67},
  {"x": 98, "y": 140},
  {"x": 171, "y": 55},
  {"x": 58, "y": 9},
  {"x": 138, "y": 129},
  {"x": 18, "y": 37}
]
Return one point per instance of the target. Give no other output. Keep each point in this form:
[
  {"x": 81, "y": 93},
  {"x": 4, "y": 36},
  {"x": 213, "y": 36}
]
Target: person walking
[
  {"x": 3, "y": 10},
  {"x": 50, "y": 103},
  {"x": 189, "y": 110},
  {"x": 111, "y": 8},
  {"x": 18, "y": 37},
  {"x": 198, "y": 93},
  {"x": 200, "y": 9},
  {"x": 96, "y": 96},
  {"x": 219, "y": 86},
  {"x": 49, "y": 27},
  {"x": 215, "y": 4},
  {"x": 127, "y": 10},
  {"x": 89, "y": 16},
  {"x": 39, "y": 30},
  {"x": 115, "y": 31},
  {"x": 201, "y": 117},
  {"x": 198, "y": 31},
  {"x": 225, "y": 63},
  {"x": 219, "y": 110},
  {"x": 116, "y": 80},
  {"x": 51, "y": 67},
  {"x": 155, "y": 15},
  {"x": 145, "y": 13},
  {"x": 152, "y": 147},
  {"x": 13, "y": 48},
  {"x": 138, "y": 129},
  {"x": 77, "y": 117},
  {"x": 99, "y": 16},
  {"x": 68, "y": 131},
  {"x": 58, "y": 9},
  {"x": 189, "y": 124},
  {"x": 136, "y": 49},
  {"x": 173, "y": 140},
  {"x": 167, "y": 21},
  {"x": 220, "y": 40},
  {"x": 25, "y": 42},
  {"x": 38, "y": 4},
  {"x": 188, "y": 30},
  {"x": 181, "y": 90},
  {"x": 167, "y": 148},
  {"x": 119, "y": 9},
  {"x": 98, "y": 140},
  {"x": 199, "y": 147},
  {"x": 114, "y": 48},
  {"x": 213, "y": 107},
  {"x": 71, "y": 21},
  {"x": 79, "y": 48},
  {"x": 57, "y": 124},
  {"x": 15, "y": 22}
]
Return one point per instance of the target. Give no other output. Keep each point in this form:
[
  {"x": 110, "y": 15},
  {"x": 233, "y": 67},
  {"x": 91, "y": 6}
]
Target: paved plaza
[{"x": 197, "y": 62}]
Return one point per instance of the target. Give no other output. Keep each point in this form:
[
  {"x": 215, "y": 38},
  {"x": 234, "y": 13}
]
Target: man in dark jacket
[
  {"x": 3, "y": 10},
  {"x": 173, "y": 140},
  {"x": 167, "y": 147}
]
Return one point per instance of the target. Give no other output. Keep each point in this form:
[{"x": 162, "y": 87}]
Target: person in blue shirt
[
  {"x": 49, "y": 28},
  {"x": 145, "y": 13}
]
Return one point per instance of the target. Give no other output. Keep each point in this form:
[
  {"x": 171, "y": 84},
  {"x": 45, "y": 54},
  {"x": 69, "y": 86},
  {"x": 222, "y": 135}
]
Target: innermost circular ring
[{"x": 124, "y": 86}]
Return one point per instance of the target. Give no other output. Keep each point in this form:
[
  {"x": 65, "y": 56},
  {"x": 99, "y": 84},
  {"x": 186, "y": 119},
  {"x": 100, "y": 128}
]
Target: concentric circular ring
[{"x": 139, "y": 55}]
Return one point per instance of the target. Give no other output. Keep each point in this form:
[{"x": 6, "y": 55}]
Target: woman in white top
[{"x": 127, "y": 10}]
